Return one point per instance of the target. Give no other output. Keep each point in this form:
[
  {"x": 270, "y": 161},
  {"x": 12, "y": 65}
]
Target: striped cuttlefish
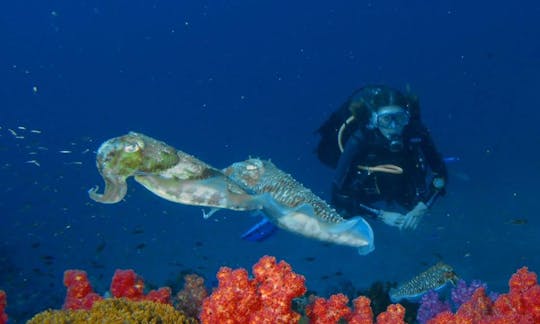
[
  {"x": 293, "y": 207},
  {"x": 437, "y": 278}
]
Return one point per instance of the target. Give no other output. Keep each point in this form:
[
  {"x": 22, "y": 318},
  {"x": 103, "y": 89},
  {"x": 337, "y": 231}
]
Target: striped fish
[
  {"x": 293, "y": 207},
  {"x": 437, "y": 278}
]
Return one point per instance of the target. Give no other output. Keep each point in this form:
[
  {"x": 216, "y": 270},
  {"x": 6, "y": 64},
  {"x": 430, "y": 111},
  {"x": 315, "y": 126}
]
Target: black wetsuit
[{"x": 418, "y": 158}]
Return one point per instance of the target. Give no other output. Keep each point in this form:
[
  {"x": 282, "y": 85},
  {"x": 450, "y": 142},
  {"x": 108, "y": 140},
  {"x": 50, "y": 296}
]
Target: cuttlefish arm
[{"x": 121, "y": 157}]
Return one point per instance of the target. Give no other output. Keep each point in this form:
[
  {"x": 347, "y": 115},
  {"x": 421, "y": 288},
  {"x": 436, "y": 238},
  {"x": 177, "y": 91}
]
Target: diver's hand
[
  {"x": 392, "y": 218},
  {"x": 413, "y": 218}
]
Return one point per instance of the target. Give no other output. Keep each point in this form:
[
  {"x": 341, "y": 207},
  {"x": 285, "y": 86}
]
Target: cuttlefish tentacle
[
  {"x": 293, "y": 207},
  {"x": 169, "y": 173}
]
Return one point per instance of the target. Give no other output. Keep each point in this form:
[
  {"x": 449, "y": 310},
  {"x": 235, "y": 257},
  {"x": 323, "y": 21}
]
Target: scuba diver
[{"x": 386, "y": 164}]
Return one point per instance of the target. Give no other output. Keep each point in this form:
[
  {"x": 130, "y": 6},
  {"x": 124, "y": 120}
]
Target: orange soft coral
[
  {"x": 265, "y": 299},
  {"x": 394, "y": 314},
  {"x": 277, "y": 285},
  {"x": 330, "y": 311},
  {"x": 362, "y": 314}
]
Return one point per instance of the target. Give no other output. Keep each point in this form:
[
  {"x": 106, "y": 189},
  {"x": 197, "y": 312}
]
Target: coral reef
[
  {"x": 520, "y": 305},
  {"x": 189, "y": 300},
  {"x": 267, "y": 298},
  {"x": 115, "y": 310},
  {"x": 3, "y": 304}
]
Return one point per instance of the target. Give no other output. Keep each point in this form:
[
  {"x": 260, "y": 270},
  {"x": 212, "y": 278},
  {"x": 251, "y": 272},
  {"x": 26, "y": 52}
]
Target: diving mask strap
[{"x": 341, "y": 130}]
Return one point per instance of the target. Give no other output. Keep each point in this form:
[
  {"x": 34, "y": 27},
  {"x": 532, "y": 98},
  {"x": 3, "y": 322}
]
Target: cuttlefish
[
  {"x": 167, "y": 172},
  {"x": 295, "y": 208},
  {"x": 436, "y": 277}
]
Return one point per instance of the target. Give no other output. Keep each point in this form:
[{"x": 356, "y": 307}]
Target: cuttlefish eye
[
  {"x": 251, "y": 167},
  {"x": 132, "y": 148}
]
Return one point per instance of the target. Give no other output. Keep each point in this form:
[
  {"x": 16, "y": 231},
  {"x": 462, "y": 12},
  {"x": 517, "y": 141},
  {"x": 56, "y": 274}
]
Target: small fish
[
  {"x": 96, "y": 265},
  {"x": 34, "y": 162},
  {"x": 137, "y": 231},
  {"x": 21, "y": 127},
  {"x": 435, "y": 278},
  {"x": 65, "y": 151},
  {"x": 518, "y": 221},
  {"x": 101, "y": 246},
  {"x": 12, "y": 132},
  {"x": 35, "y": 131},
  {"x": 140, "y": 246}
]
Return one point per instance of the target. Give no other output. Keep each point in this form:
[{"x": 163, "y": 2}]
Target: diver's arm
[
  {"x": 341, "y": 197},
  {"x": 352, "y": 148},
  {"x": 436, "y": 163}
]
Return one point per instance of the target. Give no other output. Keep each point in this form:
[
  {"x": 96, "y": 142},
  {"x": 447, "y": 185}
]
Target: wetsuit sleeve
[
  {"x": 342, "y": 197},
  {"x": 433, "y": 158}
]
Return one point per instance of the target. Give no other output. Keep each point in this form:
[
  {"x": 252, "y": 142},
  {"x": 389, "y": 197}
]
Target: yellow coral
[{"x": 115, "y": 310}]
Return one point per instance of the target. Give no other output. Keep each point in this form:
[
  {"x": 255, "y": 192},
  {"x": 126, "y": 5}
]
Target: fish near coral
[
  {"x": 293, "y": 207},
  {"x": 169, "y": 173}
]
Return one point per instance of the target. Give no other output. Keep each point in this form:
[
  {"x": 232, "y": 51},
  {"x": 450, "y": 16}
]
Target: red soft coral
[
  {"x": 3, "y": 304},
  {"x": 126, "y": 283},
  {"x": 265, "y": 299},
  {"x": 79, "y": 291}
]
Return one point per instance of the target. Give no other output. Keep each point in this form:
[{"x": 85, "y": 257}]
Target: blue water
[{"x": 225, "y": 80}]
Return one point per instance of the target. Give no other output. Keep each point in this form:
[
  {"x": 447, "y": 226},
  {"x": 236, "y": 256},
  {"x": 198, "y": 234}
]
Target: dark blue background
[{"x": 225, "y": 80}]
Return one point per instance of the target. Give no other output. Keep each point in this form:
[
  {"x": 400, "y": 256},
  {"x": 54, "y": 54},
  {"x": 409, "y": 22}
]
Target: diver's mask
[{"x": 391, "y": 120}]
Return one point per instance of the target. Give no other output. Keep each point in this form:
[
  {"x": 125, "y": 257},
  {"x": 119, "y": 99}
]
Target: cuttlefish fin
[{"x": 359, "y": 226}]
